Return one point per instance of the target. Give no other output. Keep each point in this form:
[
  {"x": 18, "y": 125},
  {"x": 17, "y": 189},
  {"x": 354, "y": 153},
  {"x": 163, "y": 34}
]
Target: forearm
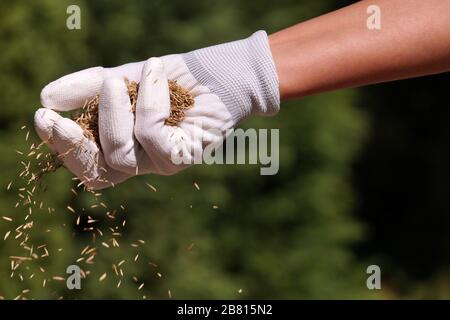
[{"x": 337, "y": 50}]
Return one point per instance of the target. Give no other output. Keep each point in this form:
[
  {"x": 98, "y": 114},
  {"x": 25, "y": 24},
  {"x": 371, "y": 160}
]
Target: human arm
[{"x": 338, "y": 50}]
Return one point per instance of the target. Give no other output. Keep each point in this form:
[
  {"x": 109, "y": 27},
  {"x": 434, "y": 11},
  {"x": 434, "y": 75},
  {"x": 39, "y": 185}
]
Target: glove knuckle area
[
  {"x": 170, "y": 169},
  {"x": 121, "y": 159},
  {"x": 110, "y": 86},
  {"x": 152, "y": 138}
]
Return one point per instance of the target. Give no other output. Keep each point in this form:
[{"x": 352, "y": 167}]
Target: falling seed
[
  {"x": 19, "y": 258},
  {"x": 90, "y": 251},
  {"x": 215, "y": 207},
  {"x": 120, "y": 263},
  {"x": 151, "y": 187},
  {"x": 196, "y": 186},
  {"x": 9, "y": 185},
  {"x": 105, "y": 244},
  {"x": 115, "y": 269},
  {"x": 84, "y": 250},
  {"x": 115, "y": 243},
  {"x": 136, "y": 257},
  {"x": 119, "y": 283},
  {"x": 141, "y": 286},
  {"x": 102, "y": 277},
  {"x": 240, "y": 291},
  {"x": 71, "y": 209},
  {"x": 90, "y": 259},
  {"x": 56, "y": 278},
  {"x": 159, "y": 275},
  {"x": 170, "y": 294},
  {"x": 7, "y": 218}
]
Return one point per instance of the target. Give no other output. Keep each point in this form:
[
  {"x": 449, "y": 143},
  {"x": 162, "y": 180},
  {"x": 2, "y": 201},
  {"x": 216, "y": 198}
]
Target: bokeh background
[{"x": 364, "y": 173}]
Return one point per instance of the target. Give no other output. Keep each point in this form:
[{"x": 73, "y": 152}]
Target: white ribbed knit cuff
[{"x": 242, "y": 73}]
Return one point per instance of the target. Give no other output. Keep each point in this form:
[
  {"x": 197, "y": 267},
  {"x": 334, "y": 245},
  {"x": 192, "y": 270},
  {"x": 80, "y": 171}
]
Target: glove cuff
[{"x": 242, "y": 73}]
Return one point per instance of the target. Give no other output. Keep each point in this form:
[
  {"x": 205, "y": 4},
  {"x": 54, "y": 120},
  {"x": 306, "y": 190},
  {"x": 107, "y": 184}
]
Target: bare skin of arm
[{"x": 337, "y": 50}]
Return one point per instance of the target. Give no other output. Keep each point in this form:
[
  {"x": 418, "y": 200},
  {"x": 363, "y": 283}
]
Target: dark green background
[{"x": 364, "y": 173}]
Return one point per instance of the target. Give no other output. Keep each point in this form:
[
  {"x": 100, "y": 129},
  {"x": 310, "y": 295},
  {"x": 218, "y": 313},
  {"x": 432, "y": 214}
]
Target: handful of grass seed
[
  {"x": 180, "y": 101},
  {"x": 87, "y": 117}
]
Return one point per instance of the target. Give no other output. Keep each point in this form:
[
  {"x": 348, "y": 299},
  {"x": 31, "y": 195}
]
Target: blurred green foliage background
[{"x": 364, "y": 173}]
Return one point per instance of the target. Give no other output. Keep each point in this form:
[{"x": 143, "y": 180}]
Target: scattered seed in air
[{"x": 102, "y": 277}]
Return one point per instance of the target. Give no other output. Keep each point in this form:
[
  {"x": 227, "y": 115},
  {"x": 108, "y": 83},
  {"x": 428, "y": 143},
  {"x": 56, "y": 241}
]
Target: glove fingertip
[
  {"x": 44, "y": 120},
  {"x": 71, "y": 91}
]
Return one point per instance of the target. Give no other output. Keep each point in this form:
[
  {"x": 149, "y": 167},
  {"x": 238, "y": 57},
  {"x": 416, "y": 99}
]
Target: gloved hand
[{"x": 229, "y": 82}]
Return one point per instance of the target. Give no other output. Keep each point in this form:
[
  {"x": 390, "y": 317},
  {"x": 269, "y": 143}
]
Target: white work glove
[{"x": 229, "y": 82}]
